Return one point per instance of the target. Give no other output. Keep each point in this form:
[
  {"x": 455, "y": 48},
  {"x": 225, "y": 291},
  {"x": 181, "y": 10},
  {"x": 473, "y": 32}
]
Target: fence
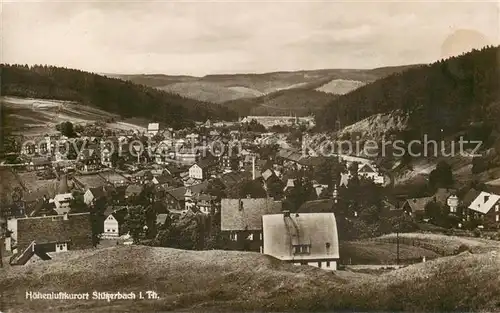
[
  {"x": 415, "y": 243},
  {"x": 440, "y": 249}
]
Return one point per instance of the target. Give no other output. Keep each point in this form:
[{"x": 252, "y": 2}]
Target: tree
[
  {"x": 188, "y": 231},
  {"x": 120, "y": 97},
  {"x": 403, "y": 224},
  {"x": 441, "y": 176},
  {"x": 268, "y": 152},
  {"x": 328, "y": 172},
  {"x": 135, "y": 222},
  {"x": 254, "y": 126},
  {"x": 296, "y": 196},
  {"x": 216, "y": 188},
  {"x": 66, "y": 129},
  {"x": 77, "y": 204},
  {"x": 436, "y": 213},
  {"x": 117, "y": 161},
  {"x": 275, "y": 187},
  {"x": 252, "y": 188}
]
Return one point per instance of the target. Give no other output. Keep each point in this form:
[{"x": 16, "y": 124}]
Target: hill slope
[
  {"x": 237, "y": 281},
  {"x": 297, "y": 101},
  {"x": 445, "y": 95},
  {"x": 207, "y": 91},
  {"x": 37, "y": 117},
  {"x": 340, "y": 86},
  {"x": 112, "y": 95},
  {"x": 225, "y": 87}
]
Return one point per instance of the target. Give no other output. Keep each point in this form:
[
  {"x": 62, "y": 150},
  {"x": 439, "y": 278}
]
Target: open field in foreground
[
  {"x": 412, "y": 247},
  {"x": 238, "y": 281}
]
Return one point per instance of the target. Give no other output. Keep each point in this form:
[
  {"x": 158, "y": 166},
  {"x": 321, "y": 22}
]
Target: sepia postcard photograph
[{"x": 249, "y": 156}]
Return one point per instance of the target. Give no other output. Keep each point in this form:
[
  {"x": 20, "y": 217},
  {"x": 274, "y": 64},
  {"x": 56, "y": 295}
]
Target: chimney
[
  {"x": 63, "y": 184},
  {"x": 253, "y": 167}
]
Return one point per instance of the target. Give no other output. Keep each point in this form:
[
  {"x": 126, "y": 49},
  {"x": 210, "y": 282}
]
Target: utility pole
[
  {"x": 2, "y": 245},
  {"x": 397, "y": 243}
]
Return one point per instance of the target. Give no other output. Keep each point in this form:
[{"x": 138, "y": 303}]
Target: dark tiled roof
[
  {"x": 89, "y": 181},
  {"x": 173, "y": 170},
  {"x": 178, "y": 193},
  {"x": 23, "y": 257},
  {"x": 98, "y": 192},
  {"x": 207, "y": 162},
  {"x": 317, "y": 206},
  {"x": 165, "y": 179},
  {"x": 41, "y": 161},
  {"x": 233, "y": 178},
  {"x": 418, "y": 204},
  {"x": 133, "y": 189},
  {"x": 312, "y": 161},
  {"x": 366, "y": 169},
  {"x": 203, "y": 197},
  {"x": 300, "y": 158},
  {"x": 246, "y": 213},
  {"x": 43, "y": 207},
  {"x": 119, "y": 213},
  {"x": 76, "y": 229},
  {"x": 442, "y": 195}
]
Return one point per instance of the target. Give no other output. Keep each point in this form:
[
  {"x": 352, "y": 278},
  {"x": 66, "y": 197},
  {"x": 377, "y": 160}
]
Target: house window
[
  {"x": 301, "y": 249},
  {"x": 327, "y": 263},
  {"x": 233, "y": 237},
  {"x": 250, "y": 237},
  {"x": 319, "y": 264},
  {"x": 260, "y": 236},
  {"x": 61, "y": 247},
  {"x": 113, "y": 230},
  {"x": 497, "y": 218},
  {"x": 497, "y": 208}
]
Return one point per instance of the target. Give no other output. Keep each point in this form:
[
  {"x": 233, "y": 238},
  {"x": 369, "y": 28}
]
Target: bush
[
  {"x": 477, "y": 233},
  {"x": 463, "y": 248}
]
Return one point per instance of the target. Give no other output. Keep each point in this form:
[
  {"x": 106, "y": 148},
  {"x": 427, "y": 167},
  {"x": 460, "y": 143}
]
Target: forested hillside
[
  {"x": 298, "y": 101},
  {"x": 447, "y": 95},
  {"x": 112, "y": 95},
  {"x": 230, "y": 87}
]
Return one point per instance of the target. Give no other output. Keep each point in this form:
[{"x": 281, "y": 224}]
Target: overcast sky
[{"x": 199, "y": 38}]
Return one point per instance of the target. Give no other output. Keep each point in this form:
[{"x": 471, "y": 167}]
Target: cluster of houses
[
  {"x": 482, "y": 206},
  {"x": 269, "y": 121},
  {"x": 249, "y": 224},
  {"x": 261, "y": 225},
  {"x": 180, "y": 169},
  {"x": 180, "y": 179}
]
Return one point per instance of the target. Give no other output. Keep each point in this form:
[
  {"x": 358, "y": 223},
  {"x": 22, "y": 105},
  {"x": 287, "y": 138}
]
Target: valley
[{"x": 249, "y": 157}]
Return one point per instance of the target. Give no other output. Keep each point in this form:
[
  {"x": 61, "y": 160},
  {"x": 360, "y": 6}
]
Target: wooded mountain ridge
[
  {"x": 441, "y": 97},
  {"x": 109, "y": 94},
  {"x": 221, "y": 88}
]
